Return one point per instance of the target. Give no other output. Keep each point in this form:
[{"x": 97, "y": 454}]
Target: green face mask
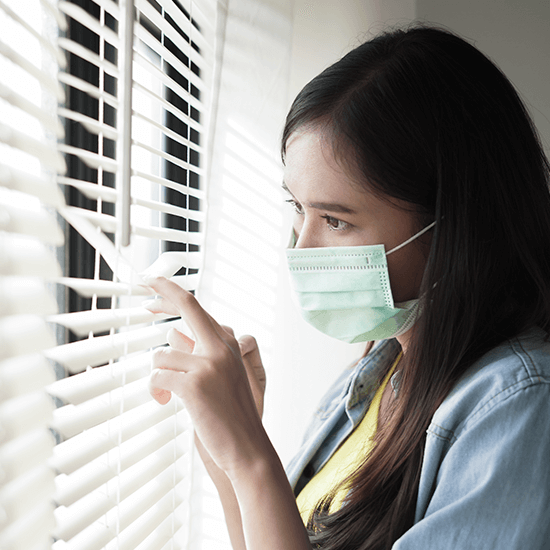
[{"x": 345, "y": 291}]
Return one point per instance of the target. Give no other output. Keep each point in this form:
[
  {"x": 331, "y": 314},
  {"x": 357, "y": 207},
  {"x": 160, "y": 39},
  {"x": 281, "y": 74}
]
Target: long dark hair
[{"x": 424, "y": 117}]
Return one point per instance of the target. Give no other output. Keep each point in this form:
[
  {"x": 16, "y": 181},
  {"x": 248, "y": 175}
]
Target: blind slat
[
  {"x": 23, "y": 334},
  {"x": 87, "y": 385},
  {"x": 163, "y": 520},
  {"x": 92, "y": 475},
  {"x": 46, "y": 119},
  {"x": 84, "y": 53},
  {"x": 167, "y": 156},
  {"x": 161, "y": 76},
  {"x": 71, "y": 420},
  {"x": 155, "y": 17},
  {"x": 169, "y": 57},
  {"x": 110, "y": 224},
  {"x": 122, "y": 268},
  {"x": 26, "y": 257},
  {"x": 103, "y": 289},
  {"x": 168, "y": 106},
  {"x": 54, "y": 12},
  {"x": 46, "y": 154},
  {"x": 18, "y": 536},
  {"x": 166, "y": 208},
  {"x": 205, "y": 18},
  {"x": 21, "y": 375},
  {"x": 44, "y": 43},
  {"x": 92, "y": 125},
  {"x": 93, "y": 160},
  {"x": 84, "y": 18},
  {"x": 17, "y": 497},
  {"x": 88, "y": 88},
  {"x": 152, "y": 469},
  {"x": 101, "y": 320},
  {"x": 25, "y": 453},
  {"x": 36, "y": 223},
  {"x": 24, "y": 295},
  {"x": 107, "y": 194},
  {"x": 76, "y": 452},
  {"x": 129, "y": 510},
  {"x": 46, "y": 80},
  {"x": 198, "y": 193},
  {"x": 76, "y": 356},
  {"x": 48, "y": 192},
  {"x": 92, "y": 190},
  {"x": 110, "y": 7},
  {"x": 24, "y": 414},
  {"x": 167, "y": 234},
  {"x": 169, "y": 263},
  {"x": 168, "y": 132}
]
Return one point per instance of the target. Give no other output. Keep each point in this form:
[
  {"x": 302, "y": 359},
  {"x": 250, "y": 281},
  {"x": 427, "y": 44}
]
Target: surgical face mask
[{"x": 345, "y": 291}]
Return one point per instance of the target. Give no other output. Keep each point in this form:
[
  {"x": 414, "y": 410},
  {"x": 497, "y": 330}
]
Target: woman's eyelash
[
  {"x": 334, "y": 224},
  {"x": 297, "y": 207}
]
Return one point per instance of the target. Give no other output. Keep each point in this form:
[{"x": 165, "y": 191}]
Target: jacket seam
[
  {"x": 522, "y": 357},
  {"x": 451, "y": 439},
  {"x": 533, "y": 376},
  {"x": 476, "y": 417}
]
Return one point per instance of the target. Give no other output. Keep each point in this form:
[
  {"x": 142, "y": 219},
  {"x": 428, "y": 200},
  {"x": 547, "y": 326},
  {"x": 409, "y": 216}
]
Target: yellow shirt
[{"x": 345, "y": 460}]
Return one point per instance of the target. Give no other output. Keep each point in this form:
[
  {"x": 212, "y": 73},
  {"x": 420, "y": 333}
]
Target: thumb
[{"x": 252, "y": 359}]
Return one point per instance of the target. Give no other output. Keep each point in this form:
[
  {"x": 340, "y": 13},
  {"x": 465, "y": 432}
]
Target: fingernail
[
  {"x": 149, "y": 304},
  {"x": 148, "y": 279}
]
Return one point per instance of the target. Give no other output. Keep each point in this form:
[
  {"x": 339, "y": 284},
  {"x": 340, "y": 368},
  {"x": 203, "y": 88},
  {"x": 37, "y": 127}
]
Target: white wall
[
  {"x": 514, "y": 33},
  {"x": 325, "y": 30}
]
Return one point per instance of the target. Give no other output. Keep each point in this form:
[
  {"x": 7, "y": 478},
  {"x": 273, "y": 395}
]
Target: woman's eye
[
  {"x": 297, "y": 207},
  {"x": 335, "y": 224}
]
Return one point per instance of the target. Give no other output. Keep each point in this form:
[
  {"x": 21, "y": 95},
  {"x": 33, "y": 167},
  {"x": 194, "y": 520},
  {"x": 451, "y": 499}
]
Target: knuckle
[
  {"x": 219, "y": 360},
  {"x": 223, "y": 356},
  {"x": 229, "y": 330},
  {"x": 154, "y": 376},
  {"x": 159, "y": 356},
  {"x": 156, "y": 379},
  {"x": 247, "y": 343},
  {"x": 249, "y": 340},
  {"x": 186, "y": 298}
]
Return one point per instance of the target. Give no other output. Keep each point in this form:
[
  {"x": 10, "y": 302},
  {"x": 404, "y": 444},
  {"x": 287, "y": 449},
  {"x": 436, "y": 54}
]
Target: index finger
[{"x": 188, "y": 307}]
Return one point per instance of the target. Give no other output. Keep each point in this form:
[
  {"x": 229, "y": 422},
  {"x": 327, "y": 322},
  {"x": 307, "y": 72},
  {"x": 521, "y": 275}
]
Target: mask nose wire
[{"x": 411, "y": 239}]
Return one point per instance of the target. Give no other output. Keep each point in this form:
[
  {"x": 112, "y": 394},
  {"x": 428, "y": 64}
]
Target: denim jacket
[{"x": 485, "y": 479}]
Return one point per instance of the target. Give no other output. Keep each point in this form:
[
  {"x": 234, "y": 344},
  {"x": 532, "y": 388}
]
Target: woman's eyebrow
[
  {"x": 329, "y": 206},
  {"x": 285, "y": 188}
]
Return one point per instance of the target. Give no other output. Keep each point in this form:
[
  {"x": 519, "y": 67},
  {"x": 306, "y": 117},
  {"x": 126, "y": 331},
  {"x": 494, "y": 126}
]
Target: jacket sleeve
[{"x": 489, "y": 482}]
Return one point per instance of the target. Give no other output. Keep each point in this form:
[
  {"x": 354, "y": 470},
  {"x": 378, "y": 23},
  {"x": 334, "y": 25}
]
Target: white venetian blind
[
  {"x": 28, "y": 198},
  {"x": 87, "y": 458}
]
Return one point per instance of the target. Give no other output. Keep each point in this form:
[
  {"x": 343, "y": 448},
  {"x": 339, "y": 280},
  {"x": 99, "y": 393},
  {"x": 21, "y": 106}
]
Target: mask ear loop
[
  {"x": 411, "y": 239},
  {"x": 293, "y": 240}
]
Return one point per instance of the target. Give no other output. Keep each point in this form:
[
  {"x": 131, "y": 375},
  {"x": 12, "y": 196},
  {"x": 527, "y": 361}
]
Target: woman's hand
[
  {"x": 252, "y": 361},
  {"x": 221, "y": 381}
]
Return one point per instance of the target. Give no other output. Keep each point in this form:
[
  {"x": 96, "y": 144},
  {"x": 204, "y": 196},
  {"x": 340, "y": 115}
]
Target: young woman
[{"x": 422, "y": 223}]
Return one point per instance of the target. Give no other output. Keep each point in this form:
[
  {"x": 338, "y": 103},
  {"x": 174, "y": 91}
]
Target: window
[{"x": 117, "y": 467}]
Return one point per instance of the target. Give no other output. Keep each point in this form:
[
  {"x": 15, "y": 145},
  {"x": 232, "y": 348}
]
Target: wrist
[
  {"x": 260, "y": 463},
  {"x": 268, "y": 507}
]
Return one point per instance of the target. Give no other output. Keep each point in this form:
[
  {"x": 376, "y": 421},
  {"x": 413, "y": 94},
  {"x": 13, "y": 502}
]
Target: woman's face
[{"x": 333, "y": 210}]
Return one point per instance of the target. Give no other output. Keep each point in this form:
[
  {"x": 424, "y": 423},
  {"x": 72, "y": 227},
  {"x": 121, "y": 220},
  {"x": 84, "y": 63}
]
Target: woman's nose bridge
[{"x": 305, "y": 236}]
